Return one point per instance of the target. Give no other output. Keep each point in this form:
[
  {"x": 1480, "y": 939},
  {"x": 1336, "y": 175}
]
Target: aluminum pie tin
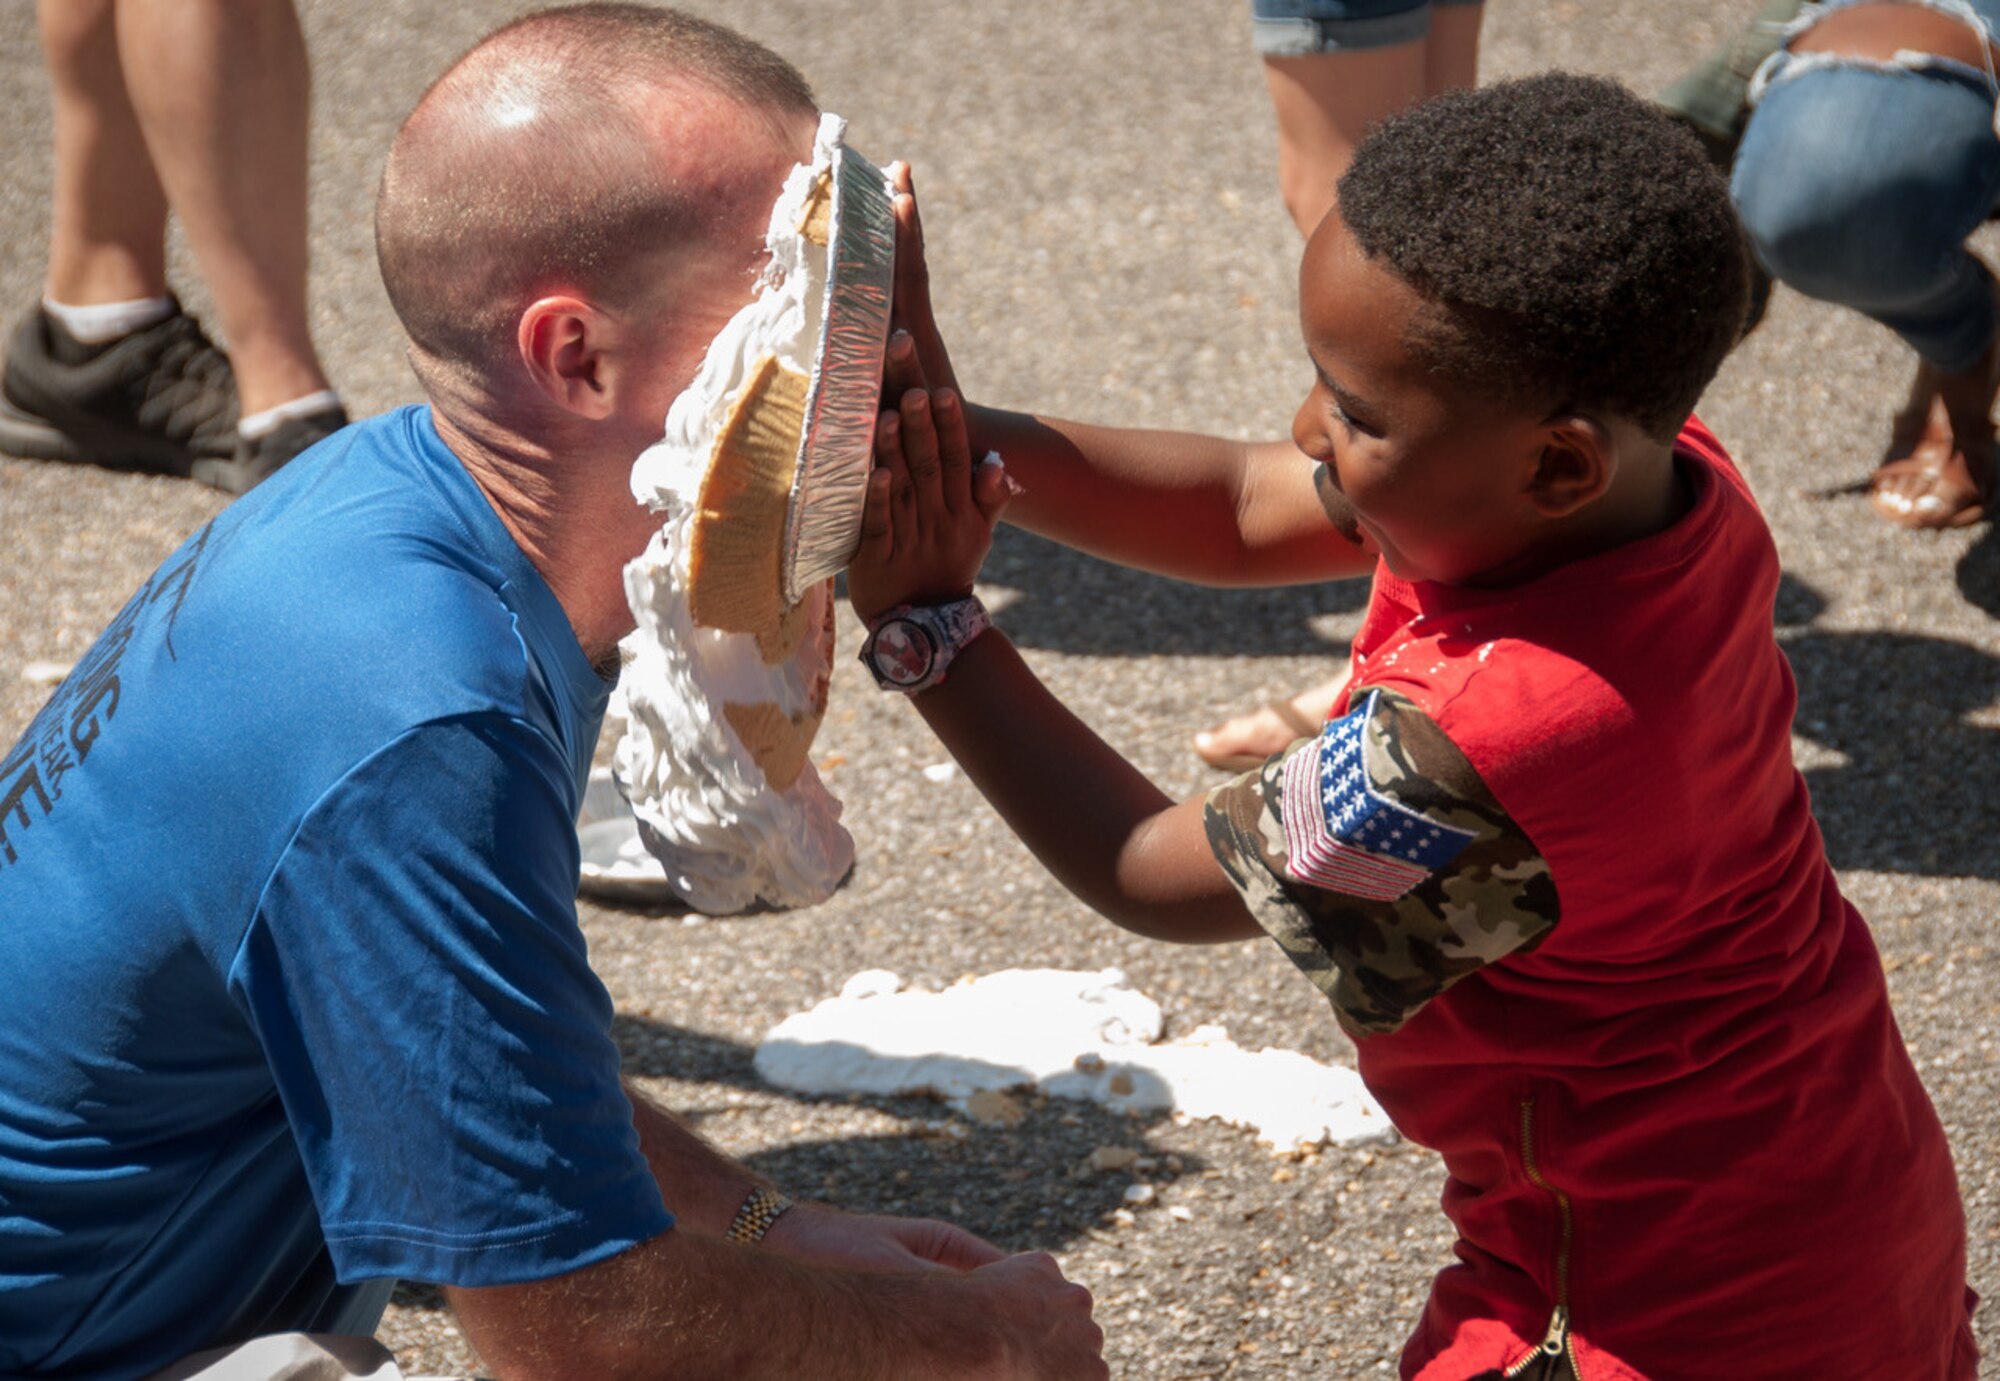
[{"x": 837, "y": 443}]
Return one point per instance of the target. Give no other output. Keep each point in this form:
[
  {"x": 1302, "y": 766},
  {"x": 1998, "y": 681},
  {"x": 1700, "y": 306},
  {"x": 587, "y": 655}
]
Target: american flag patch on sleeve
[{"x": 1343, "y": 834}]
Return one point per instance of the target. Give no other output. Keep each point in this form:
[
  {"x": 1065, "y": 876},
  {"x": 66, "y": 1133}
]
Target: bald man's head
[{"x": 577, "y": 149}]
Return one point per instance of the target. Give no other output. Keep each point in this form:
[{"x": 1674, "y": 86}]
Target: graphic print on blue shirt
[
  {"x": 83, "y": 706},
  {"x": 1343, "y": 834}
]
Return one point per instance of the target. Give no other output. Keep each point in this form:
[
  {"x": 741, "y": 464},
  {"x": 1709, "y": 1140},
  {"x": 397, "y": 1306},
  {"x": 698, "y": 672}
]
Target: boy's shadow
[
  {"x": 1919, "y": 791},
  {"x": 1070, "y": 602}
]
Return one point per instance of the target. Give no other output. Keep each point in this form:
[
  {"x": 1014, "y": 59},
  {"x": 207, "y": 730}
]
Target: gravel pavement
[{"x": 1107, "y": 242}]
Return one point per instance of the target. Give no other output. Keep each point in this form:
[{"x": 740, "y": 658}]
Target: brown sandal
[{"x": 1930, "y": 484}]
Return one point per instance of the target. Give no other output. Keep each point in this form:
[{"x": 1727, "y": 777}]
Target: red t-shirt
[{"x": 1687, "y": 1117}]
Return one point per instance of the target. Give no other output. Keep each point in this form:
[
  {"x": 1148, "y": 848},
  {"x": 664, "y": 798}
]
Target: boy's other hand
[
  {"x": 930, "y": 511},
  {"x": 910, "y": 305}
]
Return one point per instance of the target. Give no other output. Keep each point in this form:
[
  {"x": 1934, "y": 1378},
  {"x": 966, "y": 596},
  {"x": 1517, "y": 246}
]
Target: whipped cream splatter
[
  {"x": 726, "y": 838},
  {"x": 1084, "y": 1035}
]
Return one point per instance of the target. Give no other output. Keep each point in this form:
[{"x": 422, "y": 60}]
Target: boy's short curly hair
[{"x": 1578, "y": 248}]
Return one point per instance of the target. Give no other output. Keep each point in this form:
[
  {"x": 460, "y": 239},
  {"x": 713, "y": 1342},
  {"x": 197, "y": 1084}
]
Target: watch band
[
  {"x": 754, "y": 1219},
  {"x": 910, "y": 647}
]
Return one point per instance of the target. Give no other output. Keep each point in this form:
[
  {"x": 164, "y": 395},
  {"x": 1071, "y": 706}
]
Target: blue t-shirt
[{"x": 292, "y": 993}]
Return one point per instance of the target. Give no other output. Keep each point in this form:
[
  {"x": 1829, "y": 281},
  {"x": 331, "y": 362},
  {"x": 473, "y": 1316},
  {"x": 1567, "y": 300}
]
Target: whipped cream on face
[{"x": 725, "y": 836}]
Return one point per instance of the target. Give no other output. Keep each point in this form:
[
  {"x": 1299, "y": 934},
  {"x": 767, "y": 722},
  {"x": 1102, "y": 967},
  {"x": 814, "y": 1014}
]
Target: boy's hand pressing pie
[{"x": 930, "y": 511}]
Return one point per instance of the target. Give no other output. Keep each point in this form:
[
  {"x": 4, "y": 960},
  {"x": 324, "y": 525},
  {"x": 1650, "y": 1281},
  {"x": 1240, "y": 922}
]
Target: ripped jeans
[{"x": 1858, "y": 181}]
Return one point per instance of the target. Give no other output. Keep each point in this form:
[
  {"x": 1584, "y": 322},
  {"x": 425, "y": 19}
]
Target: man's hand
[
  {"x": 871, "y": 1242},
  {"x": 1041, "y": 1321},
  {"x": 930, "y": 511},
  {"x": 1045, "y": 1320},
  {"x": 685, "y": 1304}
]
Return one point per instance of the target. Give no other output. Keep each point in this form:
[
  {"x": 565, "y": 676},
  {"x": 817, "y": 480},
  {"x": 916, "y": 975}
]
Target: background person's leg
[
  {"x": 1451, "y": 53},
  {"x": 1858, "y": 183},
  {"x": 1325, "y": 103},
  {"x": 1335, "y": 67},
  {"x": 106, "y": 368},
  {"x": 108, "y": 218},
  {"x": 221, "y": 92}
]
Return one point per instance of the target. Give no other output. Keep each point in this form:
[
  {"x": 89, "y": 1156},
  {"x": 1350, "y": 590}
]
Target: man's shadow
[
  {"x": 1021, "y": 1187},
  {"x": 1919, "y": 790}
]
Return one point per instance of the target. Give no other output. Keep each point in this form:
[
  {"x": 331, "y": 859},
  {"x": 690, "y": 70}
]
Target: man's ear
[
  {"x": 562, "y": 342},
  {"x": 1579, "y": 458}
]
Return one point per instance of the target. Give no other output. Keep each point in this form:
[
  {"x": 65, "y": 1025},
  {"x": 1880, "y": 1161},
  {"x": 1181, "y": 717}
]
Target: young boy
[{"x": 1549, "y": 860}]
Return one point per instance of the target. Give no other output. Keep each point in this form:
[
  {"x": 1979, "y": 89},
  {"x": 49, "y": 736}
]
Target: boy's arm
[
  {"x": 1126, "y": 849},
  {"x": 1372, "y": 852},
  {"x": 1197, "y": 508},
  {"x": 1091, "y": 818}
]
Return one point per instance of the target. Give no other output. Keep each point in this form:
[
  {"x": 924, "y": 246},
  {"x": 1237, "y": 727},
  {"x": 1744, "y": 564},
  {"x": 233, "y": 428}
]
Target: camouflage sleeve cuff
[{"x": 1375, "y": 856}]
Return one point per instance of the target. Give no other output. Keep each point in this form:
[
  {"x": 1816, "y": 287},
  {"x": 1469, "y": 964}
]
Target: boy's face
[{"x": 1438, "y": 480}]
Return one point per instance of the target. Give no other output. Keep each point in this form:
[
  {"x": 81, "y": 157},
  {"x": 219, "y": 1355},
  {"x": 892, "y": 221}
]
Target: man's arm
[
  {"x": 684, "y": 1305},
  {"x": 703, "y": 1189},
  {"x": 823, "y": 1295}
]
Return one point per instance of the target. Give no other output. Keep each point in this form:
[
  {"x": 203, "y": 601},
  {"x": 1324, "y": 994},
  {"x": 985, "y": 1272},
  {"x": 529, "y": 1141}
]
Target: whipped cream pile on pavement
[
  {"x": 727, "y": 838},
  {"x": 1083, "y": 1035}
]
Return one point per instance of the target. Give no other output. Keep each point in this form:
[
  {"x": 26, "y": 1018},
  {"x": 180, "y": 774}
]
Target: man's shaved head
[{"x": 570, "y": 150}]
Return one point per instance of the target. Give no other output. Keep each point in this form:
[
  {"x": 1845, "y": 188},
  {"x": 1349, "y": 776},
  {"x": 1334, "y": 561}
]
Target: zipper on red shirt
[{"x": 1557, "y": 1342}]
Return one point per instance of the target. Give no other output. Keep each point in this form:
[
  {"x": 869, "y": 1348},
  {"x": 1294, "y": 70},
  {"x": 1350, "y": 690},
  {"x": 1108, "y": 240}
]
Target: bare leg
[
  {"x": 108, "y": 224},
  {"x": 221, "y": 93},
  {"x": 1451, "y": 52},
  {"x": 1325, "y": 103},
  {"x": 1939, "y": 470}
]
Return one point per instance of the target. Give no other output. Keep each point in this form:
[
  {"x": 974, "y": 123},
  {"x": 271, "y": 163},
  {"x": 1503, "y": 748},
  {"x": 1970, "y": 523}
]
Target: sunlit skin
[
  {"x": 552, "y": 436},
  {"x": 1447, "y": 486}
]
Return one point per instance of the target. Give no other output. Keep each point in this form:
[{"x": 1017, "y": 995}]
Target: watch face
[{"x": 903, "y": 652}]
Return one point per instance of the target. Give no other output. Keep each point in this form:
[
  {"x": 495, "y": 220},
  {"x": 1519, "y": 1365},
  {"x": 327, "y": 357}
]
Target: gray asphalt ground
[{"x": 1107, "y": 242}]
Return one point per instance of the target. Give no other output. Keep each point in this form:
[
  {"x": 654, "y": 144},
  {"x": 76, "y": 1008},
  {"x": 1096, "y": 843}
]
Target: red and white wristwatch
[{"x": 910, "y": 646}]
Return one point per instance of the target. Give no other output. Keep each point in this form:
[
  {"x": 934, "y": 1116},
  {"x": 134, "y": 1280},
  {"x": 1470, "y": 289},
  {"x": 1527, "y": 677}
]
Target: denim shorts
[
  {"x": 1300, "y": 28},
  {"x": 1785, "y": 65},
  {"x": 1859, "y": 179}
]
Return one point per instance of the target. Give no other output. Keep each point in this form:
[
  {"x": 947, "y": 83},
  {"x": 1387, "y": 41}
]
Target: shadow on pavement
[
  {"x": 1919, "y": 791},
  {"x": 1979, "y": 572},
  {"x": 1024, "y": 1187},
  {"x": 1069, "y": 602}
]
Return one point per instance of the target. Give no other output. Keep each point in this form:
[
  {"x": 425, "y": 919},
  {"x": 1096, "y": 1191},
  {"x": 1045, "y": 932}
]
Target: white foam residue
[
  {"x": 1082, "y": 1035},
  {"x": 725, "y": 837}
]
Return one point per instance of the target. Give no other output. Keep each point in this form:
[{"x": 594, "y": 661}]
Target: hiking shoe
[
  {"x": 258, "y": 458},
  {"x": 158, "y": 399}
]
